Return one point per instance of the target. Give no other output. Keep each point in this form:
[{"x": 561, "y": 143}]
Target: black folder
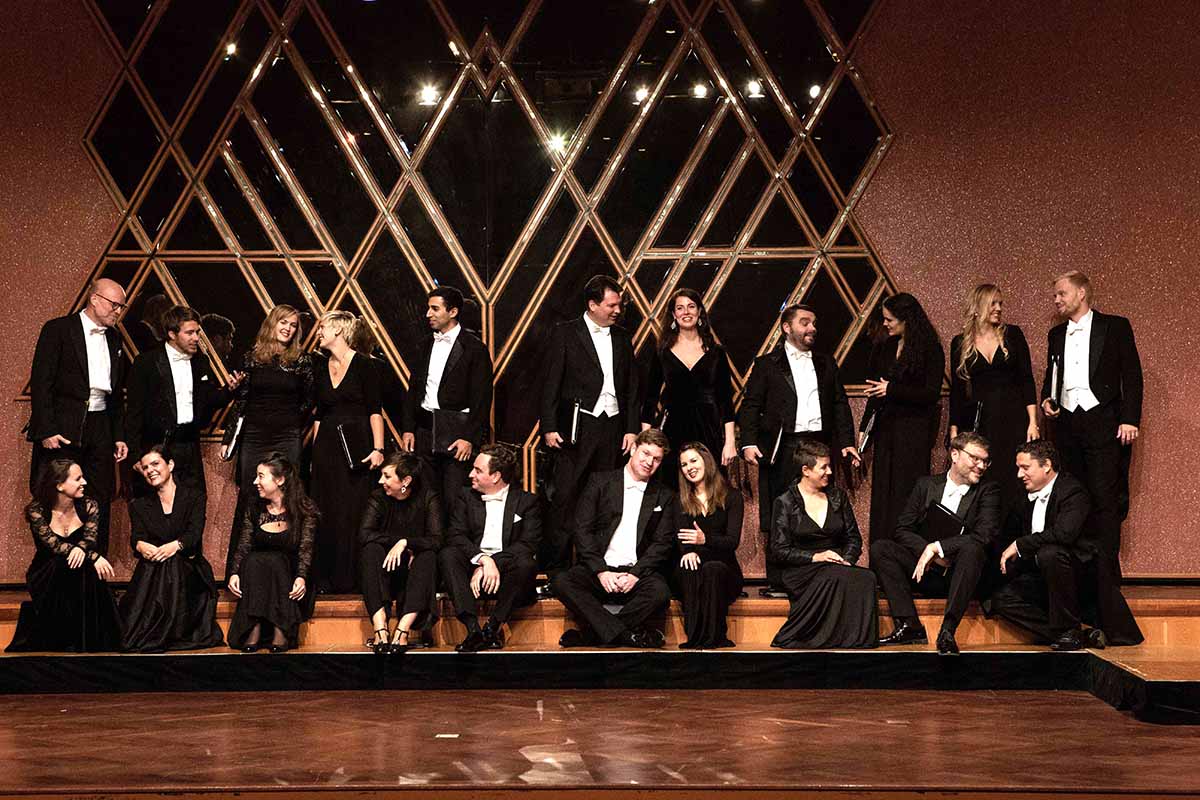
[
  {"x": 356, "y": 445},
  {"x": 568, "y": 421},
  {"x": 234, "y": 440},
  {"x": 448, "y": 427},
  {"x": 941, "y": 523}
]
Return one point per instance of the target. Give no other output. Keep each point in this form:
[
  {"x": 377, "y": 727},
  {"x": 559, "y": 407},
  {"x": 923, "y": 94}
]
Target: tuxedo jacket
[
  {"x": 521, "y": 530},
  {"x": 1114, "y": 368},
  {"x": 769, "y": 405},
  {"x": 599, "y": 513},
  {"x": 979, "y": 509},
  {"x": 573, "y": 372},
  {"x": 152, "y": 410},
  {"x": 466, "y": 383},
  {"x": 1066, "y": 514},
  {"x": 59, "y": 382}
]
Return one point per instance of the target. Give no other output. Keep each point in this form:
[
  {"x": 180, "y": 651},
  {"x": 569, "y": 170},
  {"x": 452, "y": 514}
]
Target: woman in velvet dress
[
  {"x": 992, "y": 391},
  {"x": 348, "y": 396},
  {"x": 905, "y": 404},
  {"x": 72, "y": 607},
  {"x": 272, "y": 404},
  {"x": 709, "y": 577},
  {"x": 689, "y": 377},
  {"x": 171, "y": 602},
  {"x": 815, "y": 538},
  {"x": 401, "y": 533},
  {"x": 272, "y": 560}
]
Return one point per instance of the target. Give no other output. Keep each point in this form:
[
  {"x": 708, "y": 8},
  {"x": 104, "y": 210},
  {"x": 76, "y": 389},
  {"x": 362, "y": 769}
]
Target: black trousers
[
  {"x": 448, "y": 474},
  {"x": 94, "y": 455},
  {"x": 517, "y": 578},
  {"x": 1051, "y": 589},
  {"x": 598, "y": 449},
  {"x": 1087, "y": 441},
  {"x": 412, "y": 585},
  {"x": 776, "y": 479},
  {"x": 580, "y": 591},
  {"x": 894, "y": 563}
]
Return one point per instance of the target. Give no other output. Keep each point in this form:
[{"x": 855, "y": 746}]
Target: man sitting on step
[
  {"x": 1057, "y": 562},
  {"x": 942, "y": 543},
  {"x": 624, "y": 536},
  {"x": 495, "y": 528}
]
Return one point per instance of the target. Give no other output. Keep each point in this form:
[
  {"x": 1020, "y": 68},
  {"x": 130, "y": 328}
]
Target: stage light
[
  {"x": 814, "y": 91},
  {"x": 641, "y": 94},
  {"x": 454, "y": 49},
  {"x": 428, "y": 96},
  {"x": 231, "y": 49},
  {"x": 700, "y": 91},
  {"x": 558, "y": 143},
  {"x": 754, "y": 89}
]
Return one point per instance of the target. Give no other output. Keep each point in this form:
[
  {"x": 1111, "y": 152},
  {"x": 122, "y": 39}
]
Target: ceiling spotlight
[
  {"x": 428, "y": 96},
  {"x": 641, "y": 94},
  {"x": 454, "y": 49},
  {"x": 754, "y": 89},
  {"x": 700, "y": 91},
  {"x": 814, "y": 91},
  {"x": 231, "y": 49},
  {"x": 558, "y": 143}
]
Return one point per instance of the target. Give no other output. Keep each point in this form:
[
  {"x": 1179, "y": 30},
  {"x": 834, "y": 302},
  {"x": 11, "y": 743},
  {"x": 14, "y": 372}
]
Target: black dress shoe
[
  {"x": 544, "y": 592},
  {"x": 1069, "y": 640},
  {"x": 474, "y": 642},
  {"x": 493, "y": 638},
  {"x": 576, "y": 638},
  {"x": 1096, "y": 639},
  {"x": 946, "y": 645},
  {"x": 906, "y": 633},
  {"x": 652, "y": 637}
]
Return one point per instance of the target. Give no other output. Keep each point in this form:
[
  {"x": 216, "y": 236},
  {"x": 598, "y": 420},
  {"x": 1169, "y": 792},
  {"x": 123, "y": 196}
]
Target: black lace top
[
  {"x": 46, "y": 539},
  {"x": 275, "y": 395},
  {"x": 298, "y": 541}
]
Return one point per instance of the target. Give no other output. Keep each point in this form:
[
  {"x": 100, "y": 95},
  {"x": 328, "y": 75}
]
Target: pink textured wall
[{"x": 1031, "y": 138}]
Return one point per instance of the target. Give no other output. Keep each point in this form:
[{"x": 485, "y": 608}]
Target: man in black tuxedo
[
  {"x": 449, "y": 397},
  {"x": 495, "y": 528},
  {"x": 793, "y": 394},
  {"x": 173, "y": 394},
  {"x": 940, "y": 551},
  {"x": 1093, "y": 392},
  {"x": 1058, "y": 564},
  {"x": 625, "y": 534},
  {"x": 592, "y": 387},
  {"x": 77, "y": 385}
]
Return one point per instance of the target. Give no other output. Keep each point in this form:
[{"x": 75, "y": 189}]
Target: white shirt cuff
[{"x": 938, "y": 546}]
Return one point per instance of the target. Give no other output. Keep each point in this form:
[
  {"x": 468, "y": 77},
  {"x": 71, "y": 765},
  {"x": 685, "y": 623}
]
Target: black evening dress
[
  {"x": 831, "y": 605},
  {"x": 696, "y": 403},
  {"x": 172, "y": 604},
  {"x": 273, "y": 403},
  {"x": 998, "y": 392},
  {"x": 905, "y": 429},
  {"x": 707, "y": 592},
  {"x": 267, "y": 564},
  {"x": 340, "y": 492},
  {"x": 72, "y": 610},
  {"x": 412, "y": 585}
]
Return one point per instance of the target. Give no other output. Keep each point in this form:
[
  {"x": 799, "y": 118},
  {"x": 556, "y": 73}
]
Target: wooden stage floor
[{"x": 591, "y": 743}]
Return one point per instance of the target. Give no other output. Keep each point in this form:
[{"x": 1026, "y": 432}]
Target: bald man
[{"x": 76, "y": 383}]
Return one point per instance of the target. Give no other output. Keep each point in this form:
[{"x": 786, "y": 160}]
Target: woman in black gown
[
  {"x": 271, "y": 564},
  {"x": 271, "y": 405},
  {"x": 904, "y": 409},
  {"x": 402, "y": 531},
  {"x": 992, "y": 391},
  {"x": 815, "y": 537},
  {"x": 689, "y": 378},
  {"x": 347, "y": 446},
  {"x": 708, "y": 578},
  {"x": 72, "y": 607},
  {"x": 171, "y": 603}
]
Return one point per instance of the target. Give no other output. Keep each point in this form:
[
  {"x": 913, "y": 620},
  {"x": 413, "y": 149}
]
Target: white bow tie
[
  {"x": 1039, "y": 496},
  {"x": 602, "y": 331},
  {"x": 1075, "y": 327},
  {"x": 801, "y": 354},
  {"x": 175, "y": 355},
  {"x": 97, "y": 331},
  {"x": 630, "y": 484},
  {"x": 958, "y": 491},
  {"x": 492, "y": 498},
  {"x": 441, "y": 337}
]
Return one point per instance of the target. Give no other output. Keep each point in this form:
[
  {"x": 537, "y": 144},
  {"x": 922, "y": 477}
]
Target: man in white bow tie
[
  {"x": 625, "y": 536},
  {"x": 491, "y": 549},
  {"x": 1054, "y": 558},
  {"x": 941, "y": 545},
  {"x": 77, "y": 388}
]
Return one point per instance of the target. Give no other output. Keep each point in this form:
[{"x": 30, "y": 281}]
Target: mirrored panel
[
  {"x": 161, "y": 197},
  {"x": 779, "y": 227},
  {"x": 195, "y": 230},
  {"x": 186, "y": 36},
  {"x": 814, "y": 197},
  {"x": 746, "y": 311},
  {"x": 702, "y": 184},
  {"x": 396, "y": 295},
  {"x": 731, "y": 217},
  {"x": 834, "y": 317},
  {"x": 846, "y": 134},
  {"x": 124, "y": 17},
  {"x": 789, "y": 40},
  {"x": 269, "y": 186},
  {"x": 499, "y": 16},
  {"x": 280, "y": 284},
  {"x": 235, "y": 209},
  {"x": 218, "y": 287},
  {"x": 126, "y": 140}
]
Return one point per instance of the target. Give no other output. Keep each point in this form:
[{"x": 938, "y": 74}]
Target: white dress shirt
[
  {"x": 1077, "y": 389},
  {"x": 99, "y": 363},
  {"x": 952, "y": 496},
  {"x": 493, "y": 524},
  {"x": 443, "y": 343},
  {"x": 1040, "y": 500},
  {"x": 606, "y": 403},
  {"x": 622, "y": 548},
  {"x": 808, "y": 398},
  {"x": 181, "y": 375}
]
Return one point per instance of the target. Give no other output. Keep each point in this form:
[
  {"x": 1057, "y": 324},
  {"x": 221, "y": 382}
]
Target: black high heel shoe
[
  {"x": 252, "y": 648},
  {"x": 399, "y": 642},
  {"x": 379, "y": 644}
]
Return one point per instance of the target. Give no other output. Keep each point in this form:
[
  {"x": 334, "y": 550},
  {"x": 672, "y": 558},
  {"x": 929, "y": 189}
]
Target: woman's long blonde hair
[
  {"x": 979, "y": 304},
  {"x": 715, "y": 487},
  {"x": 267, "y": 347}
]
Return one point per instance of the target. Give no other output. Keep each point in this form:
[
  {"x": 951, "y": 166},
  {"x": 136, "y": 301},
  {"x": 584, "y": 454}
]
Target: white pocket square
[
  {"x": 203, "y": 378},
  {"x": 516, "y": 517},
  {"x": 657, "y": 508}
]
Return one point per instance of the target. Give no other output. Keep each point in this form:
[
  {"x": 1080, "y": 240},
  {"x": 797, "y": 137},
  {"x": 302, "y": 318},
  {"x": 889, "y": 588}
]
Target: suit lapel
[
  {"x": 964, "y": 505},
  {"x": 785, "y": 368},
  {"x": 1096, "y": 345},
  {"x": 937, "y": 487},
  {"x": 456, "y": 353},
  {"x": 649, "y": 501},
  {"x": 585, "y": 339},
  {"x": 510, "y": 511},
  {"x": 79, "y": 344},
  {"x": 163, "y": 364}
]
